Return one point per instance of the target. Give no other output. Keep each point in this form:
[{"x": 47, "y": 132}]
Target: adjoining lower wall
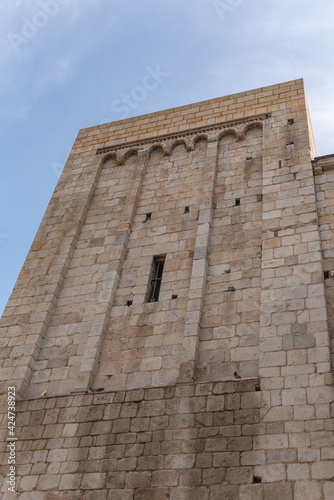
[
  {"x": 324, "y": 182},
  {"x": 201, "y": 441}
]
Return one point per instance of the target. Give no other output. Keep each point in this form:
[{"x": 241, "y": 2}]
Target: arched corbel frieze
[
  {"x": 213, "y": 137},
  {"x": 250, "y": 125},
  {"x": 129, "y": 152},
  {"x": 186, "y": 141},
  {"x": 200, "y": 137},
  {"x": 167, "y": 148},
  {"x": 107, "y": 157},
  {"x": 154, "y": 147},
  {"x": 120, "y": 158},
  {"x": 189, "y": 140},
  {"x": 229, "y": 131}
]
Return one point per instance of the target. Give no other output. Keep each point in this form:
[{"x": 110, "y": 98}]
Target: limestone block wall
[
  {"x": 200, "y": 440},
  {"x": 242, "y": 166},
  {"x": 143, "y": 341},
  {"x": 84, "y": 284},
  {"x": 225, "y": 190},
  {"x": 230, "y": 325},
  {"x": 324, "y": 180}
]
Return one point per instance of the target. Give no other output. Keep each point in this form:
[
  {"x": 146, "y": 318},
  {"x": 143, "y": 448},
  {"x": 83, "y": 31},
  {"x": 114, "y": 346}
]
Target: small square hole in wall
[
  {"x": 186, "y": 210},
  {"x": 291, "y": 121},
  {"x": 326, "y": 275},
  {"x": 148, "y": 217},
  {"x": 129, "y": 302},
  {"x": 174, "y": 297},
  {"x": 257, "y": 480},
  {"x": 237, "y": 202}
]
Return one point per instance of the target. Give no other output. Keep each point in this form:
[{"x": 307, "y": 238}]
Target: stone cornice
[
  {"x": 189, "y": 137},
  {"x": 323, "y": 163}
]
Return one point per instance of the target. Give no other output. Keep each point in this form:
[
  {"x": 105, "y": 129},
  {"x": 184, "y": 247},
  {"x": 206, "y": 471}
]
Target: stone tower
[{"x": 184, "y": 265}]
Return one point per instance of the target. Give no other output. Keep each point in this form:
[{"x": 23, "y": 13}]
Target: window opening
[
  {"x": 186, "y": 210},
  {"x": 148, "y": 217},
  {"x": 156, "y": 278},
  {"x": 237, "y": 202}
]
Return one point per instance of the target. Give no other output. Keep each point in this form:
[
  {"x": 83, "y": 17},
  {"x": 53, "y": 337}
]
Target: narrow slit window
[
  {"x": 237, "y": 202},
  {"x": 156, "y": 278}
]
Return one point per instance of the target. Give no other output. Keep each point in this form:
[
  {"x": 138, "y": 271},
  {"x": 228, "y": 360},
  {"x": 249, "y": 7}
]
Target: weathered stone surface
[{"x": 219, "y": 387}]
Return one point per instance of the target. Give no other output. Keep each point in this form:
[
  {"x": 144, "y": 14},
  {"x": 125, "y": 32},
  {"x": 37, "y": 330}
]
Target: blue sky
[{"x": 70, "y": 64}]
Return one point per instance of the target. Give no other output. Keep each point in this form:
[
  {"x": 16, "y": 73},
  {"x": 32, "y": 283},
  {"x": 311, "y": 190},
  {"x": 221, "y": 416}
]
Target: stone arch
[
  {"x": 229, "y": 131},
  {"x": 251, "y": 125},
  {"x": 181, "y": 140},
  {"x": 129, "y": 152},
  {"x": 200, "y": 137},
  {"x": 155, "y": 147},
  {"x": 108, "y": 156}
]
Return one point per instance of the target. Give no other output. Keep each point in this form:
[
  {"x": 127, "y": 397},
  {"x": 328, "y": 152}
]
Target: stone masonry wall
[
  {"x": 67, "y": 317},
  {"x": 324, "y": 179},
  {"x": 202, "y": 441},
  {"x": 142, "y": 342},
  {"x": 246, "y": 229},
  {"x": 230, "y": 324}
]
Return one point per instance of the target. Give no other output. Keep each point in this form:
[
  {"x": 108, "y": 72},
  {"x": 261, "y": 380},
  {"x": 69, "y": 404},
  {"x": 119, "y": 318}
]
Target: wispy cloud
[{"x": 56, "y": 75}]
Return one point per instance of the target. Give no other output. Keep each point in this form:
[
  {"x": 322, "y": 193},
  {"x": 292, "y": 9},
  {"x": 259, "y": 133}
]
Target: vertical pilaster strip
[
  {"x": 27, "y": 316},
  {"x": 90, "y": 359},
  {"x": 200, "y": 266},
  {"x": 294, "y": 343}
]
